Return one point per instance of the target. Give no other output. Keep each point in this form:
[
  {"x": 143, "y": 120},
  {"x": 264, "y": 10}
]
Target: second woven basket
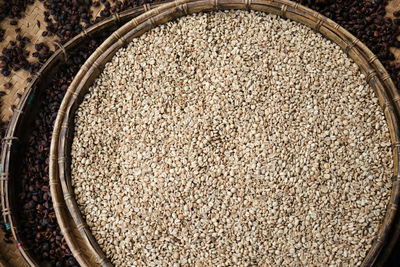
[{"x": 60, "y": 159}]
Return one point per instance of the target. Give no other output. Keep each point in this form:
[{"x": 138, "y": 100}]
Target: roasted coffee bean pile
[
  {"x": 15, "y": 57},
  {"x": 40, "y": 226},
  {"x": 65, "y": 18},
  {"x": 12, "y": 9},
  {"x": 356, "y": 16},
  {"x": 38, "y": 221}
]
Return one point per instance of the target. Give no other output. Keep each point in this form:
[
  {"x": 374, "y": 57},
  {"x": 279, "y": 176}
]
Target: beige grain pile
[{"x": 232, "y": 138}]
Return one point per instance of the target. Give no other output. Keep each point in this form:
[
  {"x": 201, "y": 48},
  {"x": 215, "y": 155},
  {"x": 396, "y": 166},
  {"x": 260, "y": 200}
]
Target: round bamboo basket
[
  {"x": 60, "y": 159},
  {"x": 17, "y": 136}
]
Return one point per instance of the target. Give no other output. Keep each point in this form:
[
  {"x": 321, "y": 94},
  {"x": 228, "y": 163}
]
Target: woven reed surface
[
  {"x": 9, "y": 255},
  {"x": 63, "y": 133},
  {"x": 30, "y": 29}
]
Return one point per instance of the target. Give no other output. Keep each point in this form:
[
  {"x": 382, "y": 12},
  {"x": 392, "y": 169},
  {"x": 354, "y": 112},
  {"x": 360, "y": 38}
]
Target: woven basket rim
[
  {"x": 10, "y": 139},
  {"x": 376, "y": 76}
]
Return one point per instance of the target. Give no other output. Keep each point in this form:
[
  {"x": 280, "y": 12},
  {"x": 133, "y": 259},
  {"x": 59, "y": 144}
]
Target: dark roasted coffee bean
[
  {"x": 5, "y": 73},
  {"x": 45, "y": 246}
]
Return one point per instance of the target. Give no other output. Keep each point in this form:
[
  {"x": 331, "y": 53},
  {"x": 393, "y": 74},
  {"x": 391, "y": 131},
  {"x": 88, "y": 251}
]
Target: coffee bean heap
[
  {"x": 195, "y": 151},
  {"x": 15, "y": 57},
  {"x": 38, "y": 221},
  {"x": 40, "y": 227},
  {"x": 12, "y": 9},
  {"x": 64, "y": 18}
]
